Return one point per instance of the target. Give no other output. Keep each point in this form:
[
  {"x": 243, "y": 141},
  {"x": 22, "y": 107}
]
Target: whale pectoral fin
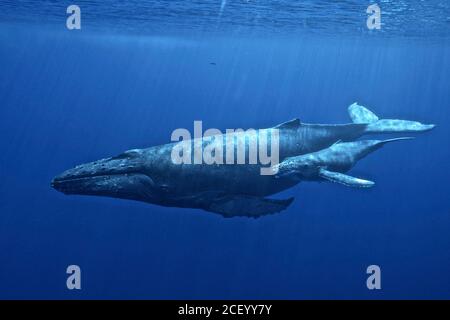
[
  {"x": 247, "y": 206},
  {"x": 344, "y": 179}
]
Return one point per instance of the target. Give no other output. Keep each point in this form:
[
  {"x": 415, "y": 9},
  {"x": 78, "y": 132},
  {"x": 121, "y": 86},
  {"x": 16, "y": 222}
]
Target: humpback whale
[
  {"x": 149, "y": 175},
  {"x": 331, "y": 163}
]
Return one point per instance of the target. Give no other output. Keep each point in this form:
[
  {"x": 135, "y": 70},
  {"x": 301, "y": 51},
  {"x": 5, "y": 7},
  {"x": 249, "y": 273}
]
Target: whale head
[
  {"x": 303, "y": 167},
  {"x": 126, "y": 176}
]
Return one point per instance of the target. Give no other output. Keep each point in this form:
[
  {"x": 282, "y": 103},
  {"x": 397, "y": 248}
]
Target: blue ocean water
[{"x": 137, "y": 70}]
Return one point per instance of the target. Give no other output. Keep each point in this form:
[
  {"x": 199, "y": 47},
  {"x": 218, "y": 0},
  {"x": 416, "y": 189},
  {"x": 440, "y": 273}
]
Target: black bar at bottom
[{"x": 227, "y": 309}]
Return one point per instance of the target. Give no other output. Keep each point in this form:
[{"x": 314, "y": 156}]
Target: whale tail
[{"x": 360, "y": 114}]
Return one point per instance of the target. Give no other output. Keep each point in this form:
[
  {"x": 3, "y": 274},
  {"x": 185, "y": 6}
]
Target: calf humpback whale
[
  {"x": 149, "y": 175},
  {"x": 331, "y": 163}
]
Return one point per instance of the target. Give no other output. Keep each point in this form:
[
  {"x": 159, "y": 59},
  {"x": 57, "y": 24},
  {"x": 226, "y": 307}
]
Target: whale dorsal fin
[
  {"x": 291, "y": 124},
  {"x": 344, "y": 179}
]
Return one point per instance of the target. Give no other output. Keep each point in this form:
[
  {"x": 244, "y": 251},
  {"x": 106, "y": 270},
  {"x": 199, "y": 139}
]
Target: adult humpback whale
[{"x": 149, "y": 175}]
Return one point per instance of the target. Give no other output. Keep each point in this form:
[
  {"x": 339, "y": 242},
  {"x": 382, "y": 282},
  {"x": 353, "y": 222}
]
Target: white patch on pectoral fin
[
  {"x": 248, "y": 206},
  {"x": 344, "y": 179}
]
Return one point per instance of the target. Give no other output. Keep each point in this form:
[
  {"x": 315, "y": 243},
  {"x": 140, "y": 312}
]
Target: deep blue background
[{"x": 68, "y": 98}]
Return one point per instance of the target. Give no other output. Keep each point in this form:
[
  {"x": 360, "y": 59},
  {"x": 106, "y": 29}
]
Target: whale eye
[{"x": 164, "y": 187}]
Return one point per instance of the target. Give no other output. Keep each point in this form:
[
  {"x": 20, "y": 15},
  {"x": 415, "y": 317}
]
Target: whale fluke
[
  {"x": 393, "y": 126},
  {"x": 360, "y": 114}
]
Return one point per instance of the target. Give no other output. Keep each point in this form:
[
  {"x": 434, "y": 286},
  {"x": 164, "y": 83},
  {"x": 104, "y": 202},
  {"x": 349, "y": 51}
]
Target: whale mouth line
[
  {"x": 85, "y": 177},
  {"x": 93, "y": 184},
  {"x": 76, "y": 184}
]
